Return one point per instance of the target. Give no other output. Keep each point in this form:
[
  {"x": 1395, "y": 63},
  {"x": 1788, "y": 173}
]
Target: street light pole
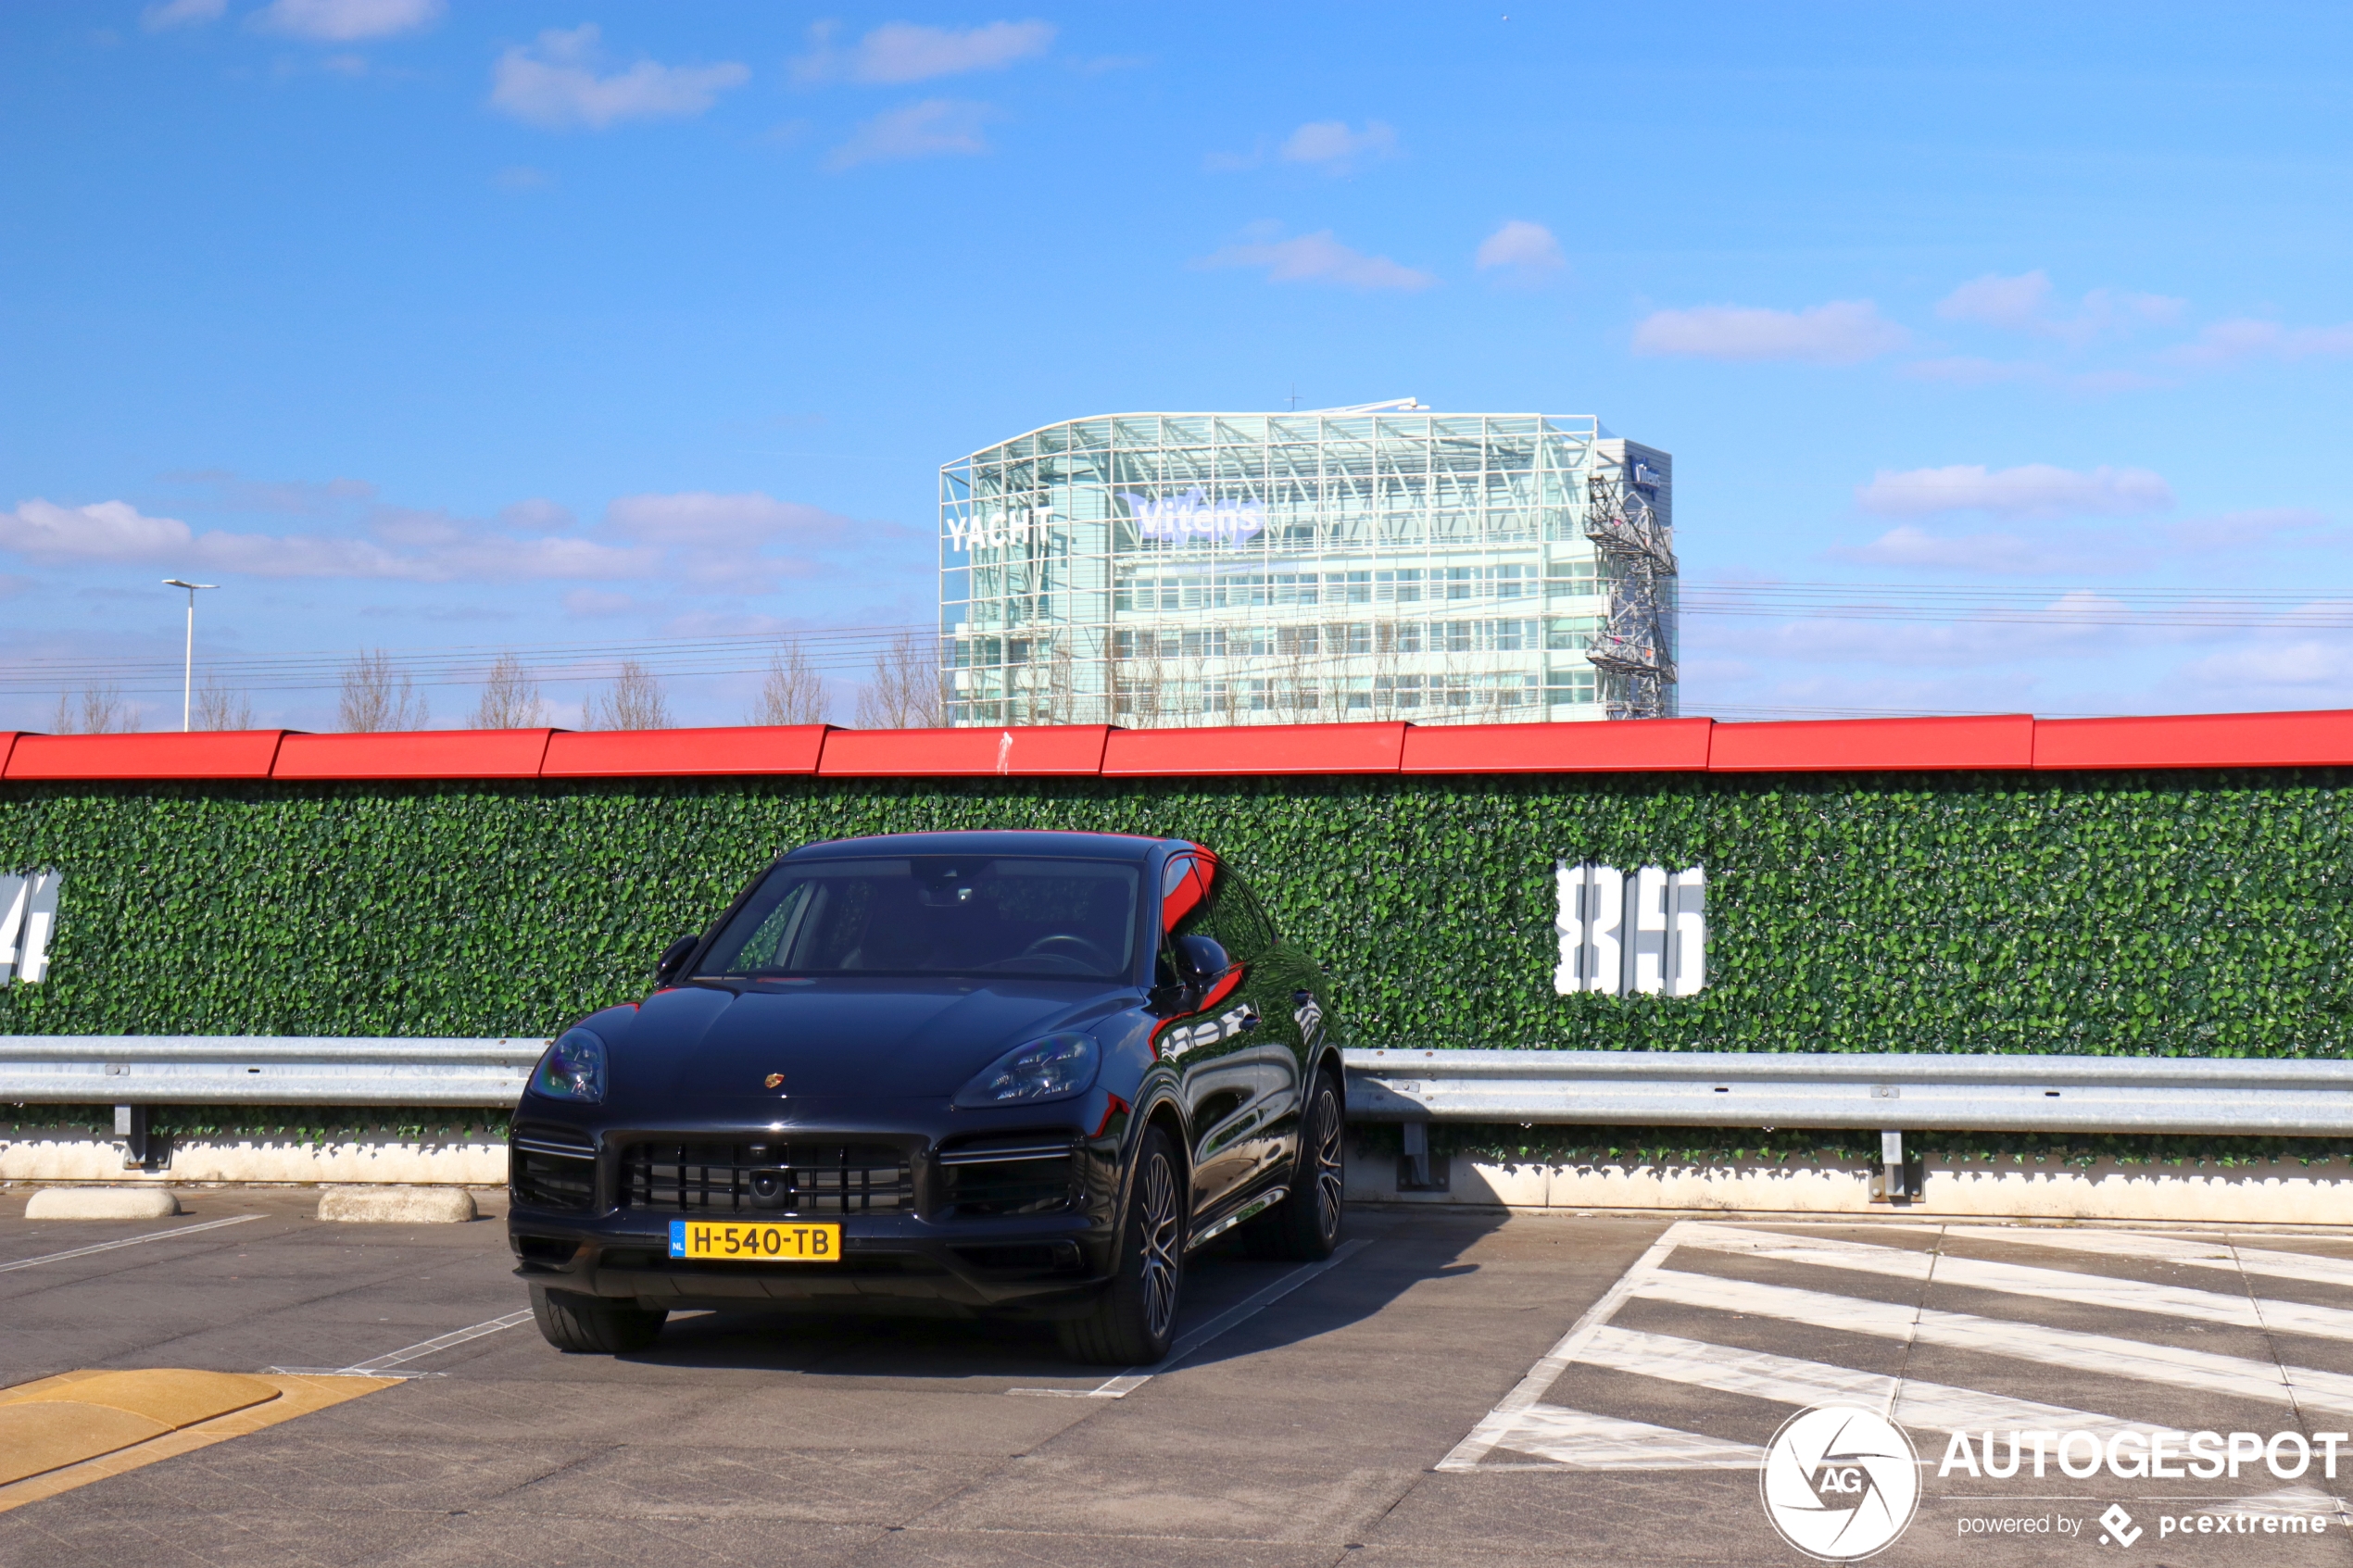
[{"x": 188, "y": 673}]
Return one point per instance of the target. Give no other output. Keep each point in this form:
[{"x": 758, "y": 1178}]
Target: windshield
[{"x": 934, "y": 914}]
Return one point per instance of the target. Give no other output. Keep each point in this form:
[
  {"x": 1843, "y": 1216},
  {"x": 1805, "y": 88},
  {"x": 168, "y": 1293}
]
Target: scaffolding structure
[{"x": 1384, "y": 561}]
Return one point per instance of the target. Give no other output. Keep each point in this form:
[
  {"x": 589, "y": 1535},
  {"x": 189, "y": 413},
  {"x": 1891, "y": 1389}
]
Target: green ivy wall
[{"x": 2175, "y": 913}]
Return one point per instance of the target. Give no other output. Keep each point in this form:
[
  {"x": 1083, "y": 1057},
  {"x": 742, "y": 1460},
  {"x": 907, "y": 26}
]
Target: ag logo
[{"x": 1840, "y": 1483}]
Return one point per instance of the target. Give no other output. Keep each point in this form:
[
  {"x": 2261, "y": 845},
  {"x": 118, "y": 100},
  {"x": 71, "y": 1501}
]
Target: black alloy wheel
[
  {"x": 589, "y": 1324},
  {"x": 1134, "y": 1321},
  {"x": 1305, "y": 1225}
]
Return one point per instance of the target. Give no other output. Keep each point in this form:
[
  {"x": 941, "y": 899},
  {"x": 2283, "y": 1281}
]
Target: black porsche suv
[{"x": 985, "y": 1072}]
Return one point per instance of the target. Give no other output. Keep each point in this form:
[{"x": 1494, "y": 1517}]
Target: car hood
[{"x": 836, "y": 1038}]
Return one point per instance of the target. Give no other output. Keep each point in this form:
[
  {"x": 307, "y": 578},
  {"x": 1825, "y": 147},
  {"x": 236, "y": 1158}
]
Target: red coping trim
[
  {"x": 2198, "y": 740},
  {"x": 224, "y": 754},
  {"x": 1255, "y": 748},
  {"x": 1905, "y": 745},
  {"x": 2000, "y": 741},
  {"x": 614, "y": 754},
  {"x": 1641, "y": 745},
  {"x": 415, "y": 754},
  {"x": 1024, "y": 752}
]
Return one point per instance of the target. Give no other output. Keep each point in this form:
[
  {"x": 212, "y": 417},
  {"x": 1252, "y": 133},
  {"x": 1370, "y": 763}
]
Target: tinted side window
[{"x": 1238, "y": 905}]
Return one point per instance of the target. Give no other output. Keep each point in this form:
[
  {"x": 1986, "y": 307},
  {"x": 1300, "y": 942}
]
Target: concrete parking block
[
  {"x": 102, "y": 1203},
  {"x": 398, "y": 1206}
]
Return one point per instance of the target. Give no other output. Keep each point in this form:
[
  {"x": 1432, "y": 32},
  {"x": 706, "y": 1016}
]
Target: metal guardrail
[
  {"x": 261, "y": 1070},
  {"x": 1917, "y": 1093}
]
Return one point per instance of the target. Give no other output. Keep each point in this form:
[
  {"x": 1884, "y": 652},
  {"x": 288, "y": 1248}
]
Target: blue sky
[{"x": 465, "y": 326}]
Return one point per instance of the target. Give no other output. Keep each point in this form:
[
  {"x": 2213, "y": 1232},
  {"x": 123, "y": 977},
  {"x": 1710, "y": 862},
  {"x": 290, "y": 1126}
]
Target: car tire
[
  {"x": 591, "y": 1325},
  {"x": 1305, "y": 1226},
  {"x": 1134, "y": 1320}
]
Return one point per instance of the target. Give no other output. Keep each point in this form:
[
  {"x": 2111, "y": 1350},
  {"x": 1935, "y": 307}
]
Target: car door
[
  {"x": 1278, "y": 1049},
  {"x": 1212, "y": 1046}
]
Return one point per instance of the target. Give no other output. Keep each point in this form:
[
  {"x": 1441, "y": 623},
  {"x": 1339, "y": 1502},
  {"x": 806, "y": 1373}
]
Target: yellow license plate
[{"x": 731, "y": 1241}]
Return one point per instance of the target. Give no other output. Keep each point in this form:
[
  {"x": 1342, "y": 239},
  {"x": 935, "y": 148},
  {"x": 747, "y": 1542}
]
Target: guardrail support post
[
  {"x": 1415, "y": 1171},
  {"x": 1894, "y": 1183},
  {"x": 131, "y": 1126}
]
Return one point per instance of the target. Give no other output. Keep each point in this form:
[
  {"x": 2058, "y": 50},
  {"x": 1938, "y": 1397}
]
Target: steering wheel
[{"x": 1070, "y": 950}]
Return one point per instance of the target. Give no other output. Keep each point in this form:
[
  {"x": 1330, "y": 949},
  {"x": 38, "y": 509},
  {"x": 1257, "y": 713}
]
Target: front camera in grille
[{"x": 816, "y": 1179}]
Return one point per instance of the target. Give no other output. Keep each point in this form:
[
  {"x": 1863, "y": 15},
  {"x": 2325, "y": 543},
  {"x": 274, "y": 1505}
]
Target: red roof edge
[
  {"x": 749, "y": 749},
  {"x": 1255, "y": 748},
  {"x": 1024, "y": 751},
  {"x": 414, "y": 754},
  {"x": 1640, "y": 746},
  {"x": 1988, "y": 741},
  {"x": 201, "y": 753},
  {"x": 2198, "y": 740}
]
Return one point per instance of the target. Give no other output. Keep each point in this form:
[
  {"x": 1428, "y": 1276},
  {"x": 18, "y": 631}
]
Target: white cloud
[
  {"x": 347, "y": 21},
  {"x": 1320, "y": 258},
  {"x": 2022, "y": 304},
  {"x": 2009, "y": 555},
  {"x": 2310, "y": 662},
  {"x": 897, "y": 52},
  {"x": 2246, "y": 338},
  {"x": 411, "y": 547},
  {"x": 1330, "y": 146},
  {"x": 1521, "y": 246},
  {"x": 107, "y": 530},
  {"x": 1844, "y": 331},
  {"x": 930, "y": 129},
  {"x": 699, "y": 516},
  {"x": 182, "y": 13},
  {"x": 554, "y": 84},
  {"x": 2030, "y": 490},
  {"x": 1998, "y": 301}
]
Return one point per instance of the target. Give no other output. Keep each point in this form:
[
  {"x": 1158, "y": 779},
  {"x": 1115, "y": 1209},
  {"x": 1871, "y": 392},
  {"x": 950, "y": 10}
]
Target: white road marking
[
  {"x": 381, "y": 1366},
  {"x": 1127, "y": 1382},
  {"x": 1785, "y": 1380},
  {"x": 2198, "y": 1252},
  {"x": 1580, "y": 1440},
  {"x": 2023, "y": 1279},
  {"x": 1545, "y": 1373},
  {"x": 2106, "y": 1354},
  {"x": 127, "y": 1241},
  {"x": 1556, "y": 1437}
]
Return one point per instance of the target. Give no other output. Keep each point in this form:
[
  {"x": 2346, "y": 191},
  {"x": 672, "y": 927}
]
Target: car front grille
[
  {"x": 1008, "y": 1176},
  {"x": 802, "y": 1179},
  {"x": 552, "y": 1167}
]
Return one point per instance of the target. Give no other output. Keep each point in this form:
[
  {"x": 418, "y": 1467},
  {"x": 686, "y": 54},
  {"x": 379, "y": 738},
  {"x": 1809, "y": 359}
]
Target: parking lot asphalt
[{"x": 1491, "y": 1390}]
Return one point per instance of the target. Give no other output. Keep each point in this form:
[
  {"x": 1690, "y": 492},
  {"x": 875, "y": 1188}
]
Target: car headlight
[
  {"x": 1053, "y": 1068},
  {"x": 574, "y": 1069}
]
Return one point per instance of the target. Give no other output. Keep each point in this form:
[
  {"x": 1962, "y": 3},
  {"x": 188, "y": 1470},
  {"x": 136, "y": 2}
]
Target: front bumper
[{"x": 930, "y": 1256}]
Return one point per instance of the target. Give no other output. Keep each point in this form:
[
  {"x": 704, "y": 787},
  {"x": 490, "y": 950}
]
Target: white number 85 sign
[{"x": 1639, "y": 933}]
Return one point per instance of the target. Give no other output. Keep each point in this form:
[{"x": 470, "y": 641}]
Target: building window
[{"x": 1562, "y": 686}]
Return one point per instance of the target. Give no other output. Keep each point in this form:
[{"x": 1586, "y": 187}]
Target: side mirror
[
  {"x": 674, "y": 958},
  {"x": 1201, "y": 960}
]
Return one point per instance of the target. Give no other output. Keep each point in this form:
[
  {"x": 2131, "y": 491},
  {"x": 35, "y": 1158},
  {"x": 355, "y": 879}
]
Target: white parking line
[
  {"x": 127, "y": 1241},
  {"x": 1546, "y": 1436},
  {"x": 2022, "y": 1279},
  {"x": 1127, "y": 1382},
  {"x": 381, "y": 1366}
]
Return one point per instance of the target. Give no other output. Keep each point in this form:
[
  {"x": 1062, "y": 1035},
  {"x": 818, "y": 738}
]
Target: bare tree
[
  {"x": 908, "y": 691},
  {"x": 511, "y": 698},
  {"x": 100, "y": 711},
  {"x": 634, "y": 701},
  {"x": 792, "y": 692},
  {"x": 378, "y": 697},
  {"x": 218, "y": 708}
]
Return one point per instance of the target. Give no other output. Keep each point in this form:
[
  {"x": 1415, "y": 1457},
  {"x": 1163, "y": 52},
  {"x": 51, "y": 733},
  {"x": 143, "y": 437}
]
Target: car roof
[{"x": 1007, "y": 841}]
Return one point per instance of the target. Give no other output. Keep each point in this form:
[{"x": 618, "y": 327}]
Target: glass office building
[{"x": 1380, "y": 562}]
